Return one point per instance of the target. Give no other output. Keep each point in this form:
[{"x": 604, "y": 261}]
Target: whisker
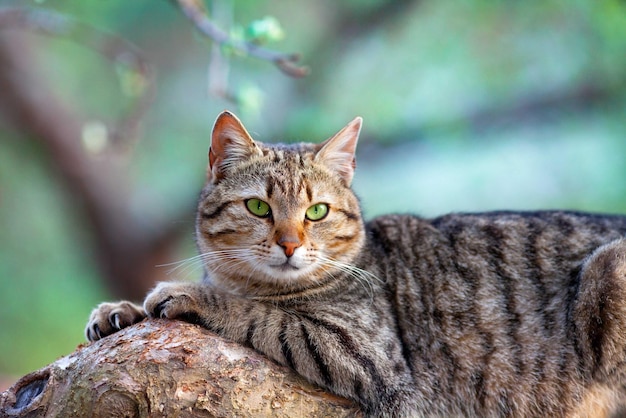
[
  {"x": 351, "y": 269},
  {"x": 203, "y": 260},
  {"x": 229, "y": 261},
  {"x": 365, "y": 278},
  {"x": 181, "y": 266}
]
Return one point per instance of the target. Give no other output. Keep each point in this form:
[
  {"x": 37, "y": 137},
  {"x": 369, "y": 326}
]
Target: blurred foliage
[{"x": 470, "y": 105}]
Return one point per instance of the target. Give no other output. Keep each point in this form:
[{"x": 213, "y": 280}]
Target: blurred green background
[{"x": 468, "y": 106}]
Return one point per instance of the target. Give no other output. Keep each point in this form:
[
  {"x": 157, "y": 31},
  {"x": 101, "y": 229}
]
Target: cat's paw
[
  {"x": 108, "y": 318},
  {"x": 174, "y": 301}
]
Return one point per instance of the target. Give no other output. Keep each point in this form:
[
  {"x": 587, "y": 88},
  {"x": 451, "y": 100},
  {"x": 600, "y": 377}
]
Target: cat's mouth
[{"x": 286, "y": 266}]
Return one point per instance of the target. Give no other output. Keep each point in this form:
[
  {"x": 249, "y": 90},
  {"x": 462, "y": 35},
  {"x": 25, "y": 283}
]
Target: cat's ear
[
  {"x": 337, "y": 152},
  {"x": 230, "y": 144}
]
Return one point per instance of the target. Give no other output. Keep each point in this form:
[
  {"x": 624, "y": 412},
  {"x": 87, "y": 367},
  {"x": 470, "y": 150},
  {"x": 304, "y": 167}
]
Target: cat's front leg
[
  {"x": 337, "y": 354},
  {"x": 110, "y": 317}
]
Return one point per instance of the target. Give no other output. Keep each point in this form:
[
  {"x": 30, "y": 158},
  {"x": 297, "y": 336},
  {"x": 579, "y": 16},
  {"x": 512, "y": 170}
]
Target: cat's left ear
[{"x": 338, "y": 152}]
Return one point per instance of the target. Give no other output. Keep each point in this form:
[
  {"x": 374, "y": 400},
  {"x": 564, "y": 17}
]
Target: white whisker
[
  {"x": 232, "y": 263},
  {"x": 365, "y": 278},
  {"x": 206, "y": 261},
  {"x": 183, "y": 266}
]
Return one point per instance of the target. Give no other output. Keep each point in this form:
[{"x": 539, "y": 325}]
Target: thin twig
[
  {"x": 194, "y": 10},
  {"x": 219, "y": 63}
]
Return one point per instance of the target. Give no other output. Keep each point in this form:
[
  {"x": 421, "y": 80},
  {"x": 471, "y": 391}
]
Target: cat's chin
[
  {"x": 288, "y": 274},
  {"x": 287, "y": 271},
  {"x": 286, "y": 267}
]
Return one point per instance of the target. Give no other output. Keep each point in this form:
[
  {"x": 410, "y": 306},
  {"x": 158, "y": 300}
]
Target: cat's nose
[
  {"x": 289, "y": 246},
  {"x": 289, "y": 237}
]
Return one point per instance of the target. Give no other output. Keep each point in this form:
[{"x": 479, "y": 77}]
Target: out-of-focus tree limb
[
  {"x": 114, "y": 48},
  {"x": 126, "y": 248}
]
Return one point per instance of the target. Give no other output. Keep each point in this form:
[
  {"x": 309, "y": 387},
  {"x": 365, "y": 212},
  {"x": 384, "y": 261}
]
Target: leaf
[{"x": 265, "y": 30}]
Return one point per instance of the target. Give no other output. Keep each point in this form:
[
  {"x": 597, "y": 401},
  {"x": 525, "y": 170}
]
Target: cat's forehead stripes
[
  {"x": 297, "y": 153},
  {"x": 286, "y": 173}
]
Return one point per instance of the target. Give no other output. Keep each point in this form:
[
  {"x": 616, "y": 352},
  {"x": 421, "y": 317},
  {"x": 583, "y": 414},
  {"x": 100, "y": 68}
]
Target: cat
[{"x": 487, "y": 314}]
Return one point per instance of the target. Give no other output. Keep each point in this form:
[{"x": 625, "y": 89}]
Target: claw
[
  {"x": 96, "y": 329},
  {"x": 116, "y": 321},
  {"x": 159, "y": 309}
]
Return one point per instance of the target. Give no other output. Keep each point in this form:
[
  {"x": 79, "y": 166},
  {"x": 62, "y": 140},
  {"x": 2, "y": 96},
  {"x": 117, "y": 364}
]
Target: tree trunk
[{"x": 164, "y": 368}]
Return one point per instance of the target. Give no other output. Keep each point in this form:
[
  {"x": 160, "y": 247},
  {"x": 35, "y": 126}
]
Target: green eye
[
  {"x": 317, "y": 211},
  {"x": 258, "y": 207}
]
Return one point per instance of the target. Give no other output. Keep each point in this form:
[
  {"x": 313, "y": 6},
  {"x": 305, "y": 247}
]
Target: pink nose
[{"x": 289, "y": 246}]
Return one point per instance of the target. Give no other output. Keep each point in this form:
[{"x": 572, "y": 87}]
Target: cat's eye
[
  {"x": 317, "y": 212},
  {"x": 258, "y": 207}
]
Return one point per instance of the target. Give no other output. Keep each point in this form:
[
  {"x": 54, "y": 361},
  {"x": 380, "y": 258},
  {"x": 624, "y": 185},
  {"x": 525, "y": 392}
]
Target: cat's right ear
[{"x": 230, "y": 144}]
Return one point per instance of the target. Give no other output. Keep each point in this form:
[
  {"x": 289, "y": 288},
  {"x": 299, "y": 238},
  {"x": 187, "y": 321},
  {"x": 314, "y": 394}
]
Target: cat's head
[{"x": 274, "y": 219}]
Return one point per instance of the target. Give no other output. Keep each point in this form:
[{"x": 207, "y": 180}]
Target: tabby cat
[{"x": 488, "y": 314}]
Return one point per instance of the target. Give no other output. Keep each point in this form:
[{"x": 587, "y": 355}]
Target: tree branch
[
  {"x": 164, "y": 368},
  {"x": 194, "y": 10}
]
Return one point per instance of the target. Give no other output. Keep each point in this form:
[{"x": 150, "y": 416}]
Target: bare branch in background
[
  {"x": 126, "y": 248},
  {"x": 139, "y": 75},
  {"x": 195, "y": 11}
]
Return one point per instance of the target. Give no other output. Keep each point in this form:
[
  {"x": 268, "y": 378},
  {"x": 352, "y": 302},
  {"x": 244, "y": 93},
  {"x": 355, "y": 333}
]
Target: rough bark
[{"x": 162, "y": 368}]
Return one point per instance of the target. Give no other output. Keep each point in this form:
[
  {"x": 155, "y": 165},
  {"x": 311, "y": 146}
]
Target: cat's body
[
  {"x": 494, "y": 314},
  {"x": 483, "y": 302}
]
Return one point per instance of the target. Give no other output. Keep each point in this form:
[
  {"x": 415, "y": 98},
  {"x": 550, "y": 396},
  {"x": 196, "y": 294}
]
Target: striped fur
[{"x": 490, "y": 314}]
